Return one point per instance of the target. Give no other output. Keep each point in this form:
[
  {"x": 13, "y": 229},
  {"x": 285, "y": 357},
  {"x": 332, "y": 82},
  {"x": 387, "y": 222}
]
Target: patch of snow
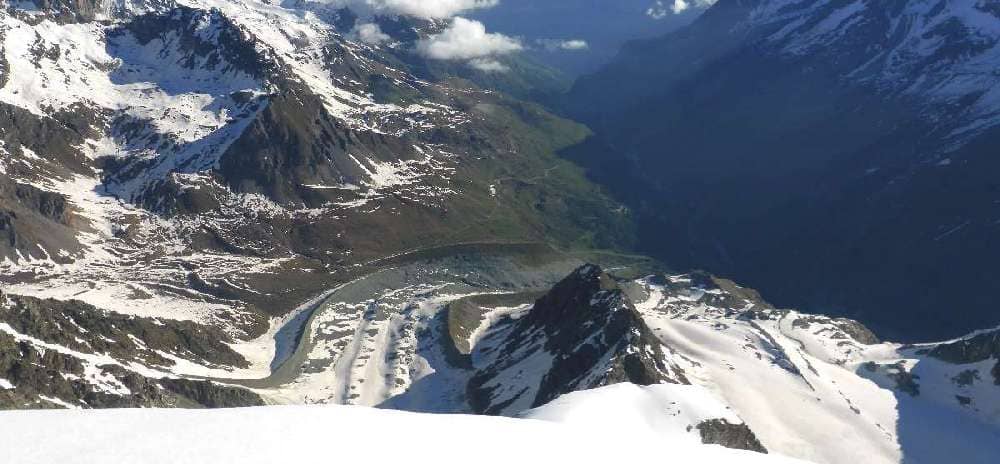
[
  {"x": 59, "y": 402},
  {"x": 656, "y": 412},
  {"x": 247, "y": 435}
]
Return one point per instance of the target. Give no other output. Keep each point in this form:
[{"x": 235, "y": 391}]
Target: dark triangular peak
[
  {"x": 584, "y": 333},
  {"x": 585, "y": 294}
]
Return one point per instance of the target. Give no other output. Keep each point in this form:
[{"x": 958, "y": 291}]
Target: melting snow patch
[{"x": 59, "y": 402}]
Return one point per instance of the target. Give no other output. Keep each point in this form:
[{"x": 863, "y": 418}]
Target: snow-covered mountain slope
[
  {"x": 822, "y": 389},
  {"x": 945, "y": 53},
  {"x": 191, "y": 179},
  {"x": 832, "y": 154},
  {"x": 938, "y": 54},
  {"x": 222, "y": 162},
  {"x": 798, "y": 380},
  {"x": 480, "y": 331},
  {"x": 817, "y": 388},
  {"x": 308, "y": 433},
  {"x": 685, "y": 413},
  {"x": 71, "y": 355}
]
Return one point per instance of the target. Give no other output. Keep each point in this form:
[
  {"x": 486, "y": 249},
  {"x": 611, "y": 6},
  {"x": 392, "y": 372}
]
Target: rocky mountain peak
[
  {"x": 587, "y": 293},
  {"x": 584, "y": 333}
]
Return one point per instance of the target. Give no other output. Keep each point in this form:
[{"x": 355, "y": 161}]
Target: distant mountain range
[{"x": 837, "y": 155}]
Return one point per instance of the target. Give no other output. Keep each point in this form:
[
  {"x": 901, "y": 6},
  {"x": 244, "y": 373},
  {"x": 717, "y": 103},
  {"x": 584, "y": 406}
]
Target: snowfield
[
  {"x": 655, "y": 412},
  {"x": 348, "y": 433}
]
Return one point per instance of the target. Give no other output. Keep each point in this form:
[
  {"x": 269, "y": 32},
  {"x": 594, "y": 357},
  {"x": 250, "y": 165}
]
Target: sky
[{"x": 576, "y": 36}]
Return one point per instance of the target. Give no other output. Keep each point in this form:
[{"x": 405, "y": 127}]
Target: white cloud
[
  {"x": 555, "y": 44},
  {"x": 575, "y": 44},
  {"x": 488, "y": 65},
  {"x": 428, "y": 9},
  {"x": 435, "y": 8},
  {"x": 465, "y": 39},
  {"x": 370, "y": 33},
  {"x": 659, "y": 10}
]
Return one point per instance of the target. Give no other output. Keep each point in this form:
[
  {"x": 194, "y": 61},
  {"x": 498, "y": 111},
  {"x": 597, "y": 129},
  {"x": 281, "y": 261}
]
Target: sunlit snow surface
[
  {"x": 654, "y": 412},
  {"x": 357, "y": 434},
  {"x": 805, "y": 390}
]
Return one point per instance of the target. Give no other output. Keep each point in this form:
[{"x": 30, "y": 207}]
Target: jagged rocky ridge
[{"x": 583, "y": 334}]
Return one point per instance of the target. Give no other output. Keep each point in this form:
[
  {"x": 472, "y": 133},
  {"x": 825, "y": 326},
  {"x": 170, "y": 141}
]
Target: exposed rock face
[
  {"x": 36, "y": 222},
  {"x": 51, "y": 379},
  {"x": 212, "y": 41},
  {"x": 464, "y": 317},
  {"x": 69, "y": 11},
  {"x": 583, "y": 334},
  {"x": 973, "y": 349},
  {"x": 849, "y": 328},
  {"x": 969, "y": 350},
  {"x": 906, "y": 381},
  {"x": 33, "y": 220},
  {"x": 211, "y": 395},
  {"x": 82, "y": 327},
  {"x": 54, "y": 142},
  {"x": 82, "y": 11},
  {"x": 69, "y": 353},
  {"x": 293, "y": 144},
  {"x": 738, "y": 436}
]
